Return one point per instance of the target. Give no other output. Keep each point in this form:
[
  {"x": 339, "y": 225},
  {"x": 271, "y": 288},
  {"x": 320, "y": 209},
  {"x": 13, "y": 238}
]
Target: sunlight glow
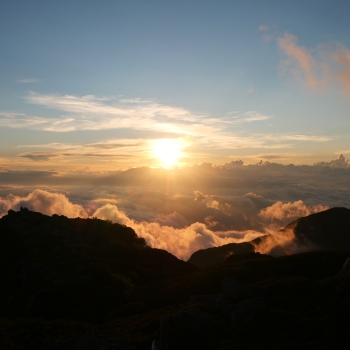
[{"x": 168, "y": 151}]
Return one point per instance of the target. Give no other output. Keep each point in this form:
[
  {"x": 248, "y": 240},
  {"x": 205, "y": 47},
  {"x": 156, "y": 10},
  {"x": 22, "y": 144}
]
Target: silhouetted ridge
[
  {"x": 217, "y": 255},
  {"x": 326, "y": 230},
  {"x": 329, "y": 229},
  {"x": 78, "y": 269},
  {"x": 88, "y": 283}
]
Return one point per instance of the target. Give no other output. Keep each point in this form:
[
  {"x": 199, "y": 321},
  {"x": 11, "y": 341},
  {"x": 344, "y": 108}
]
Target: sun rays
[{"x": 168, "y": 151}]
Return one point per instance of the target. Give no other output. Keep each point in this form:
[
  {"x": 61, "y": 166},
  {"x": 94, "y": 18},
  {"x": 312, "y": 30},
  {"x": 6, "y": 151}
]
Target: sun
[{"x": 168, "y": 151}]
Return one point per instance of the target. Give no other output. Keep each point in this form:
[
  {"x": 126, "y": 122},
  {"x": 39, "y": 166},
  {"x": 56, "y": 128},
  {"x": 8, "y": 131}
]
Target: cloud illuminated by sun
[{"x": 168, "y": 151}]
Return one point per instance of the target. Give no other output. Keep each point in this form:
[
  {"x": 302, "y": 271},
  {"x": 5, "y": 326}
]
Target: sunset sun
[{"x": 168, "y": 151}]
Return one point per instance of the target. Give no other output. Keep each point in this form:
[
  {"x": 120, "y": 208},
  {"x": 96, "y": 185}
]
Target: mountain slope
[
  {"x": 329, "y": 229},
  {"x": 326, "y": 230},
  {"x": 45, "y": 258},
  {"x": 63, "y": 286}
]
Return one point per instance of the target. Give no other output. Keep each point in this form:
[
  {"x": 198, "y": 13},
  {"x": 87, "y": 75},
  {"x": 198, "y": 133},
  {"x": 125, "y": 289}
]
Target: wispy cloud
[
  {"x": 263, "y": 27},
  {"x": 248, "y": 117},
  {"x": 90, "y": 112},
  {"x": 44, "y": 156},
  {"x": 108, "y": 148},
  {"x": 108, "y": 144},
  {"x": 316, "y": 69},
  {"x": 296, "y": 137},
  {"x": 10, "y": 114}
]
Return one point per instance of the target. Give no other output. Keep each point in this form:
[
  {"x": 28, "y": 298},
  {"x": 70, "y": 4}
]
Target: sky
[{"x": 176, "y": 114}]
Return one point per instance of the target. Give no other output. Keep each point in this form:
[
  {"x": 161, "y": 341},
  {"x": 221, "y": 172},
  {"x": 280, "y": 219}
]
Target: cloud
[
  {"x": 45, "y": 156},
  {"x": 10, "y": 114},
  {"x": 106, "y": 149},
  {"x": 249, "y": 117},
  {"x": 330, "y": 64},
  {"x": 283, "y": 213},
  {"x": 189, "y": 208},
  {"x": 263, "y": 27},
  {"x": 44, "y": 202},
  {"x": 299, "y": 61},
  {"x": 282, "y": 242},
  {"x": 180, "y": 242},
  {"x": 38, "y": 156},
  {"x": 279, "y": 240},
  {"x": 340, "y": 163},
  {"x": 100, "y": 113},
  {"x": 199, "y": 131},
  {"x": 342, "y": 58},
  {"x": 172, "y": 232}
]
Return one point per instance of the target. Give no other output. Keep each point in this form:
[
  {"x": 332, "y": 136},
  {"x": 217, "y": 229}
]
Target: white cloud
[
  {"x": 100, "y": 113},
  {"x": 45, "y": 202}
]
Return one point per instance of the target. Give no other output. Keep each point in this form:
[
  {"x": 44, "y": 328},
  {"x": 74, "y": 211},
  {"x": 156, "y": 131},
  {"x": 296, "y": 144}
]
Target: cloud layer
[{"x": 183, "y": 210}]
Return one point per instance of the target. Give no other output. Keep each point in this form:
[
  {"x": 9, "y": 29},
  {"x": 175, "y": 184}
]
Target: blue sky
[{"x": 96, "y": 84}]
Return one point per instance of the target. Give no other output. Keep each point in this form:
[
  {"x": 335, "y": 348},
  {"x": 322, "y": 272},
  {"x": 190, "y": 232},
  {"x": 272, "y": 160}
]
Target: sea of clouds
[{"x": 184, "y": 210}]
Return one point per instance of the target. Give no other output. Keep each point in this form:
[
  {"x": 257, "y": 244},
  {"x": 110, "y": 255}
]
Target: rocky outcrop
[
  {"x": 88, "y": 342},
  {"x": 238, "y": 303},
  {"x": 195, "y": 322},
  {"x": 216, "y": 255},
  {"x": 49, "y": 262},
  {"x": 326, "y": 230},
  {"x": 345, "y": 270},
  {"x": 247, "y": 309},
  {"x": 234, "y": 290}
]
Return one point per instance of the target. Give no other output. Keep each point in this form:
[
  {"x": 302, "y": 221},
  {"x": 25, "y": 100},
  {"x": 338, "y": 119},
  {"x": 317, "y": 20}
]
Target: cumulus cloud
[
  {"x": 185, "y": 209},
  {"x": 44, "y": 202},
  {"x": 283, "y": 213},
  {"x": 180, "y": 242},
  {"x": 163, "y": 234},
  {"x": 340, "y": 163}
]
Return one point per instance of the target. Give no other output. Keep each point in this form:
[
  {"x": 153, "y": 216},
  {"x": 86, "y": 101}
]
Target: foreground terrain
[{"x": 64, "y": 278}]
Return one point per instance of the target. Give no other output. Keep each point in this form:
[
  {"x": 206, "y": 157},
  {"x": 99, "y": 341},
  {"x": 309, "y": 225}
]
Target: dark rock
[
  {"x": 246, "y": 309},
  {"x": 88, "y": 342},
  {"x": 222, "y": 303},
  {"x": 328, "y": 229},
  {"x": 207, "y": 299},
  {"x": 234, "y": 290},
  {"x": 216, "y": 255},
  {"x": 345, "y": 270},
  {"x": 193, "y": 322}
]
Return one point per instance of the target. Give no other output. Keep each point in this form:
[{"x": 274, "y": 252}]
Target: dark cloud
[
  {"x": 38, "y": 156},
  {"x": 46, "y": 156},
  {"x": 112, "y": 145}
]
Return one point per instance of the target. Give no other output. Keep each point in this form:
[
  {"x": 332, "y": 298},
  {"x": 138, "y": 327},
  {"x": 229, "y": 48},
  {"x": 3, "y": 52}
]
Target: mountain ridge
[{"x": 326, "y": 230}]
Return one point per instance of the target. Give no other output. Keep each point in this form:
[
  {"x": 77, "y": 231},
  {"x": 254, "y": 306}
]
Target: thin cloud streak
[{"x": 99, "y": 113}]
